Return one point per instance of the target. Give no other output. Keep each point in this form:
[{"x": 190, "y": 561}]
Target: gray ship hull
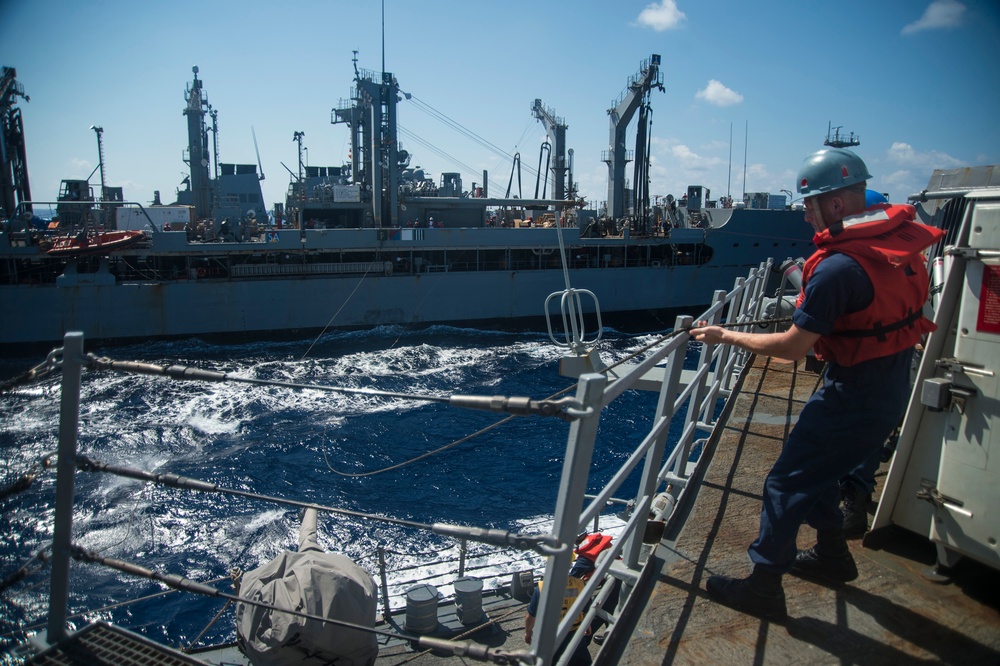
[{"x": 296, "y": 281}]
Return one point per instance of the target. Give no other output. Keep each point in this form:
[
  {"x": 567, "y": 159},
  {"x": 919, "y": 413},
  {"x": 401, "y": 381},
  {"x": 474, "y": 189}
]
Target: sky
[{"x": 750, "y": 88}]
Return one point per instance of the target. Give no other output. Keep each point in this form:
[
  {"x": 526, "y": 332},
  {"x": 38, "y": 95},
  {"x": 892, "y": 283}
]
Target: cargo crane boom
[
  {"x": 556, "y": 128},
  {"x": 14, "y": 187},
  {"x": 637, "y": 90}
]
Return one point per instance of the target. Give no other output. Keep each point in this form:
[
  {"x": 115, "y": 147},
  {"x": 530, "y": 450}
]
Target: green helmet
[{"x": 830, "y": 169}]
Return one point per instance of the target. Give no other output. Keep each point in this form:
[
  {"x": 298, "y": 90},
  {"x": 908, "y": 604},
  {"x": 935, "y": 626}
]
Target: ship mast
[
  {"x": 100, "y": 156},
  {"x": 201, "y": 184}
]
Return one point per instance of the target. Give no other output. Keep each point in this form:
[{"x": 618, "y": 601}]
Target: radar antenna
[{"x": 835, "y": 140}]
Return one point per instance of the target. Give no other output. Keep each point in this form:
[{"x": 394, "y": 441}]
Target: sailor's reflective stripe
[{"x": 574, "y": 586}]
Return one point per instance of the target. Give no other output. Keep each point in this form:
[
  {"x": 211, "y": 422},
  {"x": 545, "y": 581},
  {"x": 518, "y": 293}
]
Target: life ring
[
  {"x": 202, "y": 272},
  {"x": 655, "y": 263}
]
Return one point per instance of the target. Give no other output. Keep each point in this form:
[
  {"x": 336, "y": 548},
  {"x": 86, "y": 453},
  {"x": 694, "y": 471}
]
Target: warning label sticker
[{"x": 989, "y": 301}]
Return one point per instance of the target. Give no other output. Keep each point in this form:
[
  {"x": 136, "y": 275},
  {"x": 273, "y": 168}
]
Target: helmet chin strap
[{"x": 817, "y": 214}]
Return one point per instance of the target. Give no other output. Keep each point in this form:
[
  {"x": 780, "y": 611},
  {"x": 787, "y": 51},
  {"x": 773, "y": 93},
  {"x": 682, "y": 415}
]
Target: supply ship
[{"x": 374, "y": 242}]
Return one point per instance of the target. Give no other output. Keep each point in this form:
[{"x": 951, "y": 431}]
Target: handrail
[
  {"x": 697, "y": 402},
  {"x": 22, "y": 207}
]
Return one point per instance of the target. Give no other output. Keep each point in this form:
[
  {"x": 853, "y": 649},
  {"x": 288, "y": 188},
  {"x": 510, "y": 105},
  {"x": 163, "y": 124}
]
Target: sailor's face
[{"x": 814, "y": 213}]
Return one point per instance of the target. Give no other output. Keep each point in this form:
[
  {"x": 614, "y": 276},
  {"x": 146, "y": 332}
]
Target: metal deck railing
[
  {"x": 689, "y": 397},
  {"x": 693, "y": 398}
]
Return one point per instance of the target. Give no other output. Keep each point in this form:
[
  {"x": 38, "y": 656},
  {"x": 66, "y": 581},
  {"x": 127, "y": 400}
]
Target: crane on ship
[
  {"x": 556, "y": 128},
  {"x": 635, "y": 96},
  {"x": 14, "y": 187}
]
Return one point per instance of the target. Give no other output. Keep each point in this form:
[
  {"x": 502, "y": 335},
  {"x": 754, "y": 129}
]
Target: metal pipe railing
[
  {"x": 697, "y": 400},
  {"x": 69, "y": 417},
  {"x": 713, "y": 377}
]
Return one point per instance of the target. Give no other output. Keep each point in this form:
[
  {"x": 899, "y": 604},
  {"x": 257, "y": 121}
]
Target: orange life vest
[
  {"x": 592, "y": 545},
  {"x": 887, "y": 244},
  {"x": 574, "y": 586}
]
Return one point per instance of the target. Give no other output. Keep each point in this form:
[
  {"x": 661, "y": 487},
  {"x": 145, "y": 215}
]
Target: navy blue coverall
[{"x": 843, "y": 424}]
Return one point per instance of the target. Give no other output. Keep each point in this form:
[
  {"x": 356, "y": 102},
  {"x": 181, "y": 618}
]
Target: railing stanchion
[
  {"x": 69, "y": 416},
  {"x": 654, "y": 457},
  {"x": 385, "y": 585}
]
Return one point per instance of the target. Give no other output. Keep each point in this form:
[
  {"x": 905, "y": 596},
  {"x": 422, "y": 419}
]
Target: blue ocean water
[{"x": 292, "y": 444}]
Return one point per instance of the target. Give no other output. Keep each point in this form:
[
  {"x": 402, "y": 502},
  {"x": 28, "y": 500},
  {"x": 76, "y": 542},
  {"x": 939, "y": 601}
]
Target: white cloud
[
  {"x": 898, "y": 178},
  {"x": 719, "y": 95},
  {"x": 716, "y": 145},
  {"x": 939, "y": 14},
  {"x": 661, "y": 16},
  {"x": 907, "y": 156},
  {"x": 674, "y": 154},
  {"x": 79, "y": 168}
]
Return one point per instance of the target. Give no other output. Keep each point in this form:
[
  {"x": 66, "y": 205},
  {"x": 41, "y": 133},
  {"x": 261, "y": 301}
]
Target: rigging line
[
  {"x": 483, "y": 145},
  {"x": 544, "y": 544},
  {"x": 501, "y": 153},
  {"x": 428, "y": 454},
  {"x": 441, "y": 449},
  {"x": 51, "y": 363},
  {"x": 472, "y": 650},
  {"x": 440, "y": 117},
  {"x": 187, "y": 585},
  {"x": 434, "y": 149},
  {"x": 339, "y": 310},
  {"x": 229, "y": 602},
  {"x": 458, "y": 126},
  {"x": 566, "y": 409},
  {"x": 26, "y": 569},
  {"x": 110, "y": 607},
  {"x": 433, "y": 285}
]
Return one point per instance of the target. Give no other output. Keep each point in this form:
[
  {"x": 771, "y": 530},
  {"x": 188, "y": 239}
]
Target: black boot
[
  {"x": 830, "y": 559},
  {"x": 855, "y": 510},
  {"x": 759, "y": 594}
]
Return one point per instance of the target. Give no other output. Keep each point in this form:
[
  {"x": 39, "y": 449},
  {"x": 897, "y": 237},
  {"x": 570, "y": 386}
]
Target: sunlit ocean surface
[{"x": 292, "y": 444}]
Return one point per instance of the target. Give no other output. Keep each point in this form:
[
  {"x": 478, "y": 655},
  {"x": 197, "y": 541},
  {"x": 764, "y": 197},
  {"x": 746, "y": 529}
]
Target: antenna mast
[
  {"x": 746, "y": 141},
  {"x": 835, "y": 140},
  {"x": 100, "y": 154},
  {"x": 297, "y": 137},
  {"x": 257, "y": 150},
  {"x": 729, "y": 182}
]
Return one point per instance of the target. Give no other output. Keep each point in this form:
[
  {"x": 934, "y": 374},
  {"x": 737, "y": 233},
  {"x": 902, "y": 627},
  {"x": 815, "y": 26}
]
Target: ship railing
[
  {"x": 521, "y": 552},
  {"x": 691, "y": 400},
  {"x": 92, "y": 211},
  {"x": 692, "y": 403}
]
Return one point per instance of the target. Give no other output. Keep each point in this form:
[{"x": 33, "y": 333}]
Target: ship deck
[{"x": 890, "y": 615}]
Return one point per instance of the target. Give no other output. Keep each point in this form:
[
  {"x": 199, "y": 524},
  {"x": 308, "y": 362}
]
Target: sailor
[
  {"x": 249, "y": 226},
  {"x": 430, "y": 222},
  {"x": 861, "y": 303},
  {"x": 857, "y": 487},
  {"x": 588, "y": 548},
  {"x": 574, "y": 587}
]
